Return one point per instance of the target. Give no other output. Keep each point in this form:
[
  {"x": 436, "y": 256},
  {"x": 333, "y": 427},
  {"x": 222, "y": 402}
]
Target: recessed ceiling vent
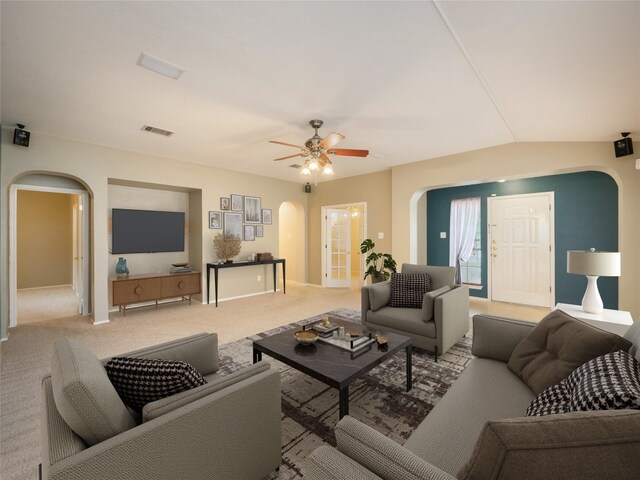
[{"x": 159, "y": 131}]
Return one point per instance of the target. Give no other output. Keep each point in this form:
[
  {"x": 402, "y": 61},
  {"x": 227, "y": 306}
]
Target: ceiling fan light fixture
[
  {"x": 305, "y": 171},
  {"x": 327, "y": 170},
  {"x": 313, "y": 164}
]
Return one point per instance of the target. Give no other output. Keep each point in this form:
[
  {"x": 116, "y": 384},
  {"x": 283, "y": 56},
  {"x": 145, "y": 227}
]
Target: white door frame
[
  {"x": 13, "y": 244},
  {"x": 323, "y": 237},
  {"x": 552, "y": 241}
]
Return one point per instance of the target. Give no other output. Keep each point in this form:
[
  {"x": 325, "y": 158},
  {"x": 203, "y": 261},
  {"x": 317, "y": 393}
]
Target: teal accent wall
[{"x": 586, "y": 215}]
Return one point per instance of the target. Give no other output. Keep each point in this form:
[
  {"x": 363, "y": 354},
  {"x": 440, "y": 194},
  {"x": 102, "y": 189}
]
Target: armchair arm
[
  {"x": 231, "y": 434},
  {"x": 429, "y": 300},
  {"x": 200, "y": 351},
  {"x": 496, "y": 337},
  {"x": 326, "y": 463},
  {"x": 451, "y": 314},
  {"x": 382, "y": 456},
  {"x": 374, "y": 297}
]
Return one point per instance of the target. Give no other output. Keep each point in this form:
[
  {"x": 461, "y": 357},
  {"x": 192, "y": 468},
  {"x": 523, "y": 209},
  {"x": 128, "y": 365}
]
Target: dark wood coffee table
[{"x": 331, "y": 365}]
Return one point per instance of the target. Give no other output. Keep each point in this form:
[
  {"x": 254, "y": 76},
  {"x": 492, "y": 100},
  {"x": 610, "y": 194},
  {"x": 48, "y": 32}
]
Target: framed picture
[
  {"x": 249, "y": 233},
  {"x": 259, "y": 231},
  {"x": 233, "y": 225},
  {"x": 224, "y": 203},
  {"x": 266, "y": 216},
  {"x": 215, "y": 219},
  {"x": 236, "y": 203},
  {"x": 252, "y": 209}
]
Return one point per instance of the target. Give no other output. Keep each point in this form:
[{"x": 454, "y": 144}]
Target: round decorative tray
[{"x": 306, "y": 336}]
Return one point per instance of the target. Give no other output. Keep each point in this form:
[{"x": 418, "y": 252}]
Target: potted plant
[
  {"x": 379, "y": 265},
  {"x": 227, "y": 248}
]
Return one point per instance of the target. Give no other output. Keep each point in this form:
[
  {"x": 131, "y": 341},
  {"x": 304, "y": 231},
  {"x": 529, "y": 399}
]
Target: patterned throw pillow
[
  {"x": 139, "y": 381},
  {"x": 408, "y": 289},
  {"x": 609, "y": 382}
]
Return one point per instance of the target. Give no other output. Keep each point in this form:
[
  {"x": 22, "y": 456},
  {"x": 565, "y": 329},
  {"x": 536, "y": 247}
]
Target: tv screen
[{"x": 146, "y": 231}]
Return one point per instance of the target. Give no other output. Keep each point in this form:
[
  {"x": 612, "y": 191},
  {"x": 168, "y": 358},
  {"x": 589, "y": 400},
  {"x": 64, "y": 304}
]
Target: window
[{"x": 471, "y": 270}]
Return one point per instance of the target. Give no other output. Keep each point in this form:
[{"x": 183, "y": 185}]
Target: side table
[{"x": 614, "y": 321}]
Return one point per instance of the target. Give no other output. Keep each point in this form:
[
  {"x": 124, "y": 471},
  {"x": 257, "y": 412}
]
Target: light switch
[
  {"x": 380, "y": 235},
  {"x": 443, "y": 234}
]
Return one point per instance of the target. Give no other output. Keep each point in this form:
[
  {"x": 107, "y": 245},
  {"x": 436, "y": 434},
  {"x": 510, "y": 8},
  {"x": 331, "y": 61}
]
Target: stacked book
[{"x": 180, "y": 268}]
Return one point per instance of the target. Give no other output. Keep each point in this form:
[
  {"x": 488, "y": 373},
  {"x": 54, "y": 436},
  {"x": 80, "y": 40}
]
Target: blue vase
[{"x": 121, "y": 267}]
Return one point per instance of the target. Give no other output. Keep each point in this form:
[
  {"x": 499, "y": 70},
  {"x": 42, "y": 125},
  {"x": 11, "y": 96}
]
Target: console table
[
  {"x": 218, "y": 266},
  {"x": 153, "y": 287}
]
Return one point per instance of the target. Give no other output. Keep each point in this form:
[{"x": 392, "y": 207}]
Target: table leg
[
  {"x": 257, "y": 355},
  {"x": 215, "y": 287},
  {"x": 208, "y": 282},
  {"x": 275, "y": 266},
  {"x": 284, "y": 277},
  {"x": 409, "y": 376},
  {"x": 344, "y": 402}
]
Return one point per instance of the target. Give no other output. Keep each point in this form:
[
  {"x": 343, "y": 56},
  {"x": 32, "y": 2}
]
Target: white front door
[
  {"x": 338, "y": 247},
  {"x": 520, "y": 248}
]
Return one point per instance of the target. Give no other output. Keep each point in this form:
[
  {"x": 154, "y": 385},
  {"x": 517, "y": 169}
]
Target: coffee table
[{"x": 331, "y": 365}]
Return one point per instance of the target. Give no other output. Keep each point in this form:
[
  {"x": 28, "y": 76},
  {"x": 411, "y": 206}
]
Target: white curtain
[{"x": 465, "y": 213}]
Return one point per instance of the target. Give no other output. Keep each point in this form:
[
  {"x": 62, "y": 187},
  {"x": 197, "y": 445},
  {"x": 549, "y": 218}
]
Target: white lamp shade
[{"x": 594, "y": 263}]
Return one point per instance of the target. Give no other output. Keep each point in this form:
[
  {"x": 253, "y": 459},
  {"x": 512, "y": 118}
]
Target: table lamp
[{"x": 593, "y": 264}]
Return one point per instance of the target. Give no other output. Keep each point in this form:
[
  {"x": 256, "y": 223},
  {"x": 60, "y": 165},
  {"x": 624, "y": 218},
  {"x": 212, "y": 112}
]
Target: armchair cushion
[
  {"x": 84, "y": 396},
  {"x": 557, "y": 346},
  {"x": 408, "y": 289},
  {"x": 404, "y": 320},
  {"x": 139, "y": 381},
  {"x": 428, "y": 302},
  {"x": 379, "y": 295}
]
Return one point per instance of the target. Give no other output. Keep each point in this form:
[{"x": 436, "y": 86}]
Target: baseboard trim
[
  {"x": 45, "y": 286},
  {"x": 220, "y": 300},
  {"x": 100, "y": 322}
]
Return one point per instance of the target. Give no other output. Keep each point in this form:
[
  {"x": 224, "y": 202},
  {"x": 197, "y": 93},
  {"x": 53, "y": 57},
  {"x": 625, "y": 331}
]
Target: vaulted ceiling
[{"x": 409, "y": 81}]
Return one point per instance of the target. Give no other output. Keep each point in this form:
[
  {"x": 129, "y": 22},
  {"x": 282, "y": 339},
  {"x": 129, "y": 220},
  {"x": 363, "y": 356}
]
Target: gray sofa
[
  {"x": 437, "y": 326},
  {"x": 478, "y": 429},
  {"x": 227, "y": 429}
]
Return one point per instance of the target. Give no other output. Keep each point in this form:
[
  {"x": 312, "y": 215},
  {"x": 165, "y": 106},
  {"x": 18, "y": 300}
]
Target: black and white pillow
[
  {"x": 139, "y": 381},
  {"x": 555, "y": 399},
  {"x": 408, "y": 289},
  {"x": 609, "y": 382}
]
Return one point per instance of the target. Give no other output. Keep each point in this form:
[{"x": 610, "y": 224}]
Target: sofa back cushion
[
  {"x": 440, "y": 276},
  {"x": 84, "y": 396},
  {"x": 570, "y": 446},
  {"x": 557, "y": 346}
]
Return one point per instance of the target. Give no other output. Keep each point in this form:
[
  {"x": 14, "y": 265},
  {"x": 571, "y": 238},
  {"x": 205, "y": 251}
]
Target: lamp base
[{"x": 592, "y": 302}]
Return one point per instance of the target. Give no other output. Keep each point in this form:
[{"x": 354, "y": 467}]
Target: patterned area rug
[{"x": 379, "y": 399}]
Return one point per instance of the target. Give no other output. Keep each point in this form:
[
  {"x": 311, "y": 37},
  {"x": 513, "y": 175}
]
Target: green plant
[{"x": 379, "y": 265}]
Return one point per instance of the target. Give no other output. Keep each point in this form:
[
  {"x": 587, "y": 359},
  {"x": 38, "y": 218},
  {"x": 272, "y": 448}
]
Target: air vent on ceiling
[
  {"x": 159, "y": 131},
  {"x": 295, "y": 165}
]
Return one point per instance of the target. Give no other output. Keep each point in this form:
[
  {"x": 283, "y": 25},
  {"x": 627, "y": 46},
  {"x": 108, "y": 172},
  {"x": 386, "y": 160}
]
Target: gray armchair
[
  {"x": 437, "y": 326},
  {"x": 226, "y": 429}
]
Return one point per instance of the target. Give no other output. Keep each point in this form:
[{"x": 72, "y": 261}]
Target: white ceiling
[{"x": 407, "y": 80}]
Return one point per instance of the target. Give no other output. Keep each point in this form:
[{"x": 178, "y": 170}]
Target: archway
[
  {"x": 68, "y": 281},
  {"x": 292, "y": 240}
]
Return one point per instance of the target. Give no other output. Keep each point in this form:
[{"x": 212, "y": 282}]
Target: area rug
[{"x": 379, "y": 399}]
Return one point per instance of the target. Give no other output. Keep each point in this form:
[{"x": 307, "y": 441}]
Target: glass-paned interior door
[{"x": 338, "y": 247}]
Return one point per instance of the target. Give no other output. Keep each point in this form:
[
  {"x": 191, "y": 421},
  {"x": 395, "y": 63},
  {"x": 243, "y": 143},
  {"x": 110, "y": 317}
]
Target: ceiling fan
[{"x": 316, "y": 150}]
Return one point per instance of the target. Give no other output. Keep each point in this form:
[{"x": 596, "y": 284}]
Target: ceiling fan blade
[
  {"x": 288, "y": 156},
  {"x": 287, "y": 144},
  {"x": 325, "y": 160},
  {"x": 348, "y": 152},
  {"x": 330, "y": 140}
]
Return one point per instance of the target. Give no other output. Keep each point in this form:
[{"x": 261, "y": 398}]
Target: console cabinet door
[
  {"x": 178, "y": 285},
  {"x": 125, "y": 291},
  {"x": 149, "y": 289}
]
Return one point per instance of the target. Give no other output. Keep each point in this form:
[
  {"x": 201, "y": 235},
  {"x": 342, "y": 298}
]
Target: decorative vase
[{"x": 121, "y": 267}]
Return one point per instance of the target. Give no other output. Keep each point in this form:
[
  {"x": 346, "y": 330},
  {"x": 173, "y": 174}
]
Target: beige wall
[
  {"x": 522, "y": 160},
  {"x": 94, "y": 166},
  {"x": 373, "y": 189},
  {"x": 290, "y": 240},
  {"x": 45, "y": 239}
]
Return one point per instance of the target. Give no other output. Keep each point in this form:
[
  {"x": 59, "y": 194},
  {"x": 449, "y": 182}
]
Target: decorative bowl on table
[{"x": 306, "y": 337}]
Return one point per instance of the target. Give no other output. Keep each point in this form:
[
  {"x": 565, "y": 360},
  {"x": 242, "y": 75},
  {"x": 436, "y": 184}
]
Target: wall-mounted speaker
[
  {"x": 21, "y": 137},
  {"x": 307, "y": 188},
  {"x": 623, "y": 147}
]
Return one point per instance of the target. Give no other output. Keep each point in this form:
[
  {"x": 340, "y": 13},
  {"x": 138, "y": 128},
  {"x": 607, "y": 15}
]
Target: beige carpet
[
  {"x": 25, "y": 356},
  {"x": 49, "y": 303}
]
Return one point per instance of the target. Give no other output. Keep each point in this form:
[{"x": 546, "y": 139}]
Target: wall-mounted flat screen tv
[{"x": 146, "y": 231}]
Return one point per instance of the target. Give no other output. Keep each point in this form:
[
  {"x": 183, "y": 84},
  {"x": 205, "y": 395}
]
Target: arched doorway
[
  {"x": 292, "y": 240},
  {"x": 49, "y": 236}
]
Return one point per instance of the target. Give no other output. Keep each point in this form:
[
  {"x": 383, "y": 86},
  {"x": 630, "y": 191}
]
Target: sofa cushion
[
  {"x": 553, "y": 400},
  {"x": 84, "y": 396},
  {"x": 429, "y": 301},
  {"x": 403, "y": 319},
  {"x": 379, "y": 295},
  {"x": 485, "y": 390},
  {"x": 408, "y": 289},
  {"x": 570, "y": 446},
  {"x": 557, "y": 346},
  {"x": 139, "y": 381}
]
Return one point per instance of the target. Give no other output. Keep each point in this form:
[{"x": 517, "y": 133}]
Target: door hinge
[
  {"x": 550, "y": 290},
  {"x": 325, "y": 275},
  {"x": 549, "y": 247}
]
